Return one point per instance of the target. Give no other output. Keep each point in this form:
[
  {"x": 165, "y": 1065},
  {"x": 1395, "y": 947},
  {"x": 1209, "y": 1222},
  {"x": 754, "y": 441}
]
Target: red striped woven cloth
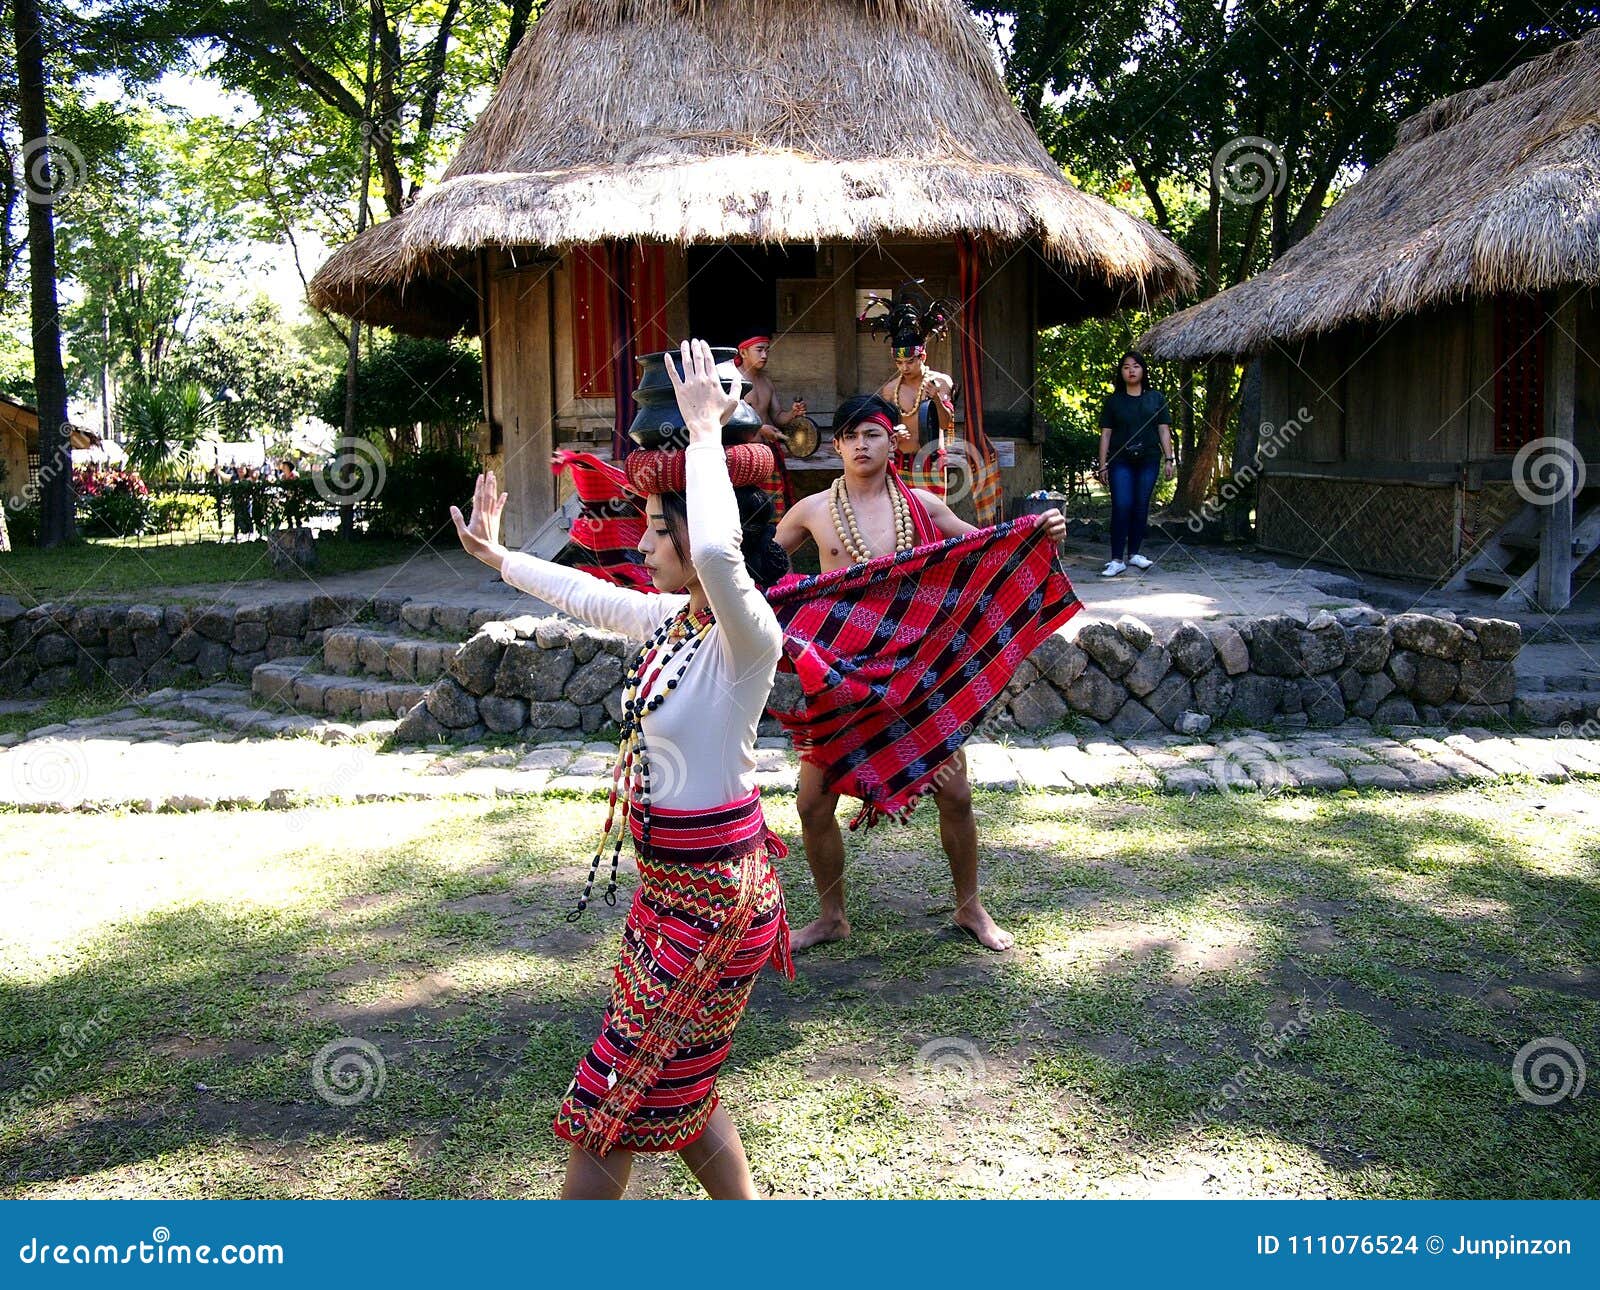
[{"x": 899, "y": 659}]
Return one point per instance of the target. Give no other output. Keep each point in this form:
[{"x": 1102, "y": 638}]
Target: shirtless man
[
  {"x": 912, "y": 374},
  {"x": 861, "y": 435},
  {"x": 763, "y": 398}
]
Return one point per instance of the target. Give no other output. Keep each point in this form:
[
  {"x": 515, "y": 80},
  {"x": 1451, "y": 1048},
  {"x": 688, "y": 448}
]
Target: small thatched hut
[
  {"x": 649, "y": 169},
  {"x": 1440, "y": 317},
  {"x": 19, "y": 449}
]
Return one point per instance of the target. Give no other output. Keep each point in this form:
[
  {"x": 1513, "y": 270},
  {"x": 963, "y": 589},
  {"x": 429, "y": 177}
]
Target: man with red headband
[
  {"x": 763, "y": 399},
  {"x": 870, "y": 512}
]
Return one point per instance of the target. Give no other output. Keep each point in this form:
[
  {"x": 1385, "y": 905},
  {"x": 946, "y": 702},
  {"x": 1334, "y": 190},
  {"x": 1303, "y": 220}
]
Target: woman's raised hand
[
  {"x": 481, "y": 534},
  {"x": 705, "y": 404}
]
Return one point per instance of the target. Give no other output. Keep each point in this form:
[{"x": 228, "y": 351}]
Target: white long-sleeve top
[{"x": 701, "y": 740}]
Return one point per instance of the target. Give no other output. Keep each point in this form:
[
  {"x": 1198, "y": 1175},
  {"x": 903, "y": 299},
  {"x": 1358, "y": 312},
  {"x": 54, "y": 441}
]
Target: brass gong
[{"x": 804, "y": 437}]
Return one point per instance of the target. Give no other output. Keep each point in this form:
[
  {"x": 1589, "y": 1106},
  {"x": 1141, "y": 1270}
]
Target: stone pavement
[{"x": 211, "y": 747}]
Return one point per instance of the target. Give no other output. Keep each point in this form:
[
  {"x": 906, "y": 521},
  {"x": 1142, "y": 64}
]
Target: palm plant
[{"x": 162, "y": 425}]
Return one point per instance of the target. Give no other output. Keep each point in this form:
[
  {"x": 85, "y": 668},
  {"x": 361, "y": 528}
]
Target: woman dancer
[{"x": 708, "y": 912}]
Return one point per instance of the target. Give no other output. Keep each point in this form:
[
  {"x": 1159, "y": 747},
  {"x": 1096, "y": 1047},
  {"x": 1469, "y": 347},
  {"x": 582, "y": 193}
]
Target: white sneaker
[
  {"x": 1112, "y": 569},
  {"x": 1140, "y": 561}
]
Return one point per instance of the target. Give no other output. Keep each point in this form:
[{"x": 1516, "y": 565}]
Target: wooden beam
[
  {"x": 486, "y": 444},
  {"x": 1555, "y": 522},
  {"x": 846, "y": 371}
]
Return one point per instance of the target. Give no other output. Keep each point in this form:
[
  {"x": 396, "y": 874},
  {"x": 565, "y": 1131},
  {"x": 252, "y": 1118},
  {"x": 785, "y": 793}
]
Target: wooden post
[
  {"x": 845, "y": 373},
  {"x": 1555, "y": 521}
]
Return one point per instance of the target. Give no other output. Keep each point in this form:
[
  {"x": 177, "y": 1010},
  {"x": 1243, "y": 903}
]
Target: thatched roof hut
[
  {"x": 1429, "y": 344},
  {"x": 1491, "y": 190},
  {"x": 745, "y": 121}
]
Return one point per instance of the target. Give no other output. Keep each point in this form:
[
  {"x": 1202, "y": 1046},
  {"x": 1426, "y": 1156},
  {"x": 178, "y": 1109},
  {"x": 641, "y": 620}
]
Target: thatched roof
[
  {"x": 1492, "y": 189},
  {"x": 717, "y": 121}
]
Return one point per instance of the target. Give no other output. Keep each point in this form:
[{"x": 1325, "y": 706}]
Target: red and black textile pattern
[
  {"x": 900, "y": 658},
  {"x": 921, "y": 521},
  {"x": 604, "y": 538},
  {"x": 707, "y": 916},
  {"x": 921, "y": 644}
]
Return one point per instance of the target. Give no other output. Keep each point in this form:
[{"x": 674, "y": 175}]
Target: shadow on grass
[{"x": 1341, "y": 979}]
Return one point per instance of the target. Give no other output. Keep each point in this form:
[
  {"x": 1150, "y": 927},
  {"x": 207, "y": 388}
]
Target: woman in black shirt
[{"x": 1135, "y": 445}]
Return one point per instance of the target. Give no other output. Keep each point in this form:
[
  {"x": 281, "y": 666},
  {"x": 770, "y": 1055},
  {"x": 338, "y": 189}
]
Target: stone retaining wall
[
  {"x": 51, "y": 648},
  {"x": 549, "y": 676},
  {"x": 1287, "y": 669},
  {"x": 545, "y": 675}
]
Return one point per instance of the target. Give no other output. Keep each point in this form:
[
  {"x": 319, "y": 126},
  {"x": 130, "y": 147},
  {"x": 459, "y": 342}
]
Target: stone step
[
  {"x": 295, "y": 683},
  {"x": 1568, "y": 627},
  {"x": 233, "y": 706},
  {"x": 1572, "y": 682},
  {"x": 365, "y": 651},
  {"x": 454, "y": 621},
  {"x": 1558, "y": 666},
  {"x": 1558, "y": 707}
]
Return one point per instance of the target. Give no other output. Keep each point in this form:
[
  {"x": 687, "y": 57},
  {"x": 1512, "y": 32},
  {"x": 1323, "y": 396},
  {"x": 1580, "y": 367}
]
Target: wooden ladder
[{"x": 1508, "y": 562}]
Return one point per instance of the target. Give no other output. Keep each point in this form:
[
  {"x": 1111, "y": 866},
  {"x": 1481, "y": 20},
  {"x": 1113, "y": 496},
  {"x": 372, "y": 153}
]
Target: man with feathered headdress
[{"x": 923, "y": 399}]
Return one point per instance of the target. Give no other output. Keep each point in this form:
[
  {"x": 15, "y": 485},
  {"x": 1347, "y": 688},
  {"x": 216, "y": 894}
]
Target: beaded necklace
[
  {"x": 681, "y": 635},
  {"x": 844, "y": 521}
]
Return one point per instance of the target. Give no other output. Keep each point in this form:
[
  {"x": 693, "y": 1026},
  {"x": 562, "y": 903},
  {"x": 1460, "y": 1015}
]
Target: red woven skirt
[{"x": 706, "y": 917}]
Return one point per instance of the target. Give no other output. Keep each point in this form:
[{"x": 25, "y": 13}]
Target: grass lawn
[
  {"x": 116, "y": 566},
  {"x": 1282, "y": 996}
]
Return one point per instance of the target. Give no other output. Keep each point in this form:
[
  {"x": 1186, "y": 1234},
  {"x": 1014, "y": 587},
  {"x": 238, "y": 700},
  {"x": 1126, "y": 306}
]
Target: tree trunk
[
  {"x": 347, "y": 514},
  {"x": 43, "y": 186},
  {"x": 1195, "y": 485},
  {"x": 1186, "y": 413},
  {"x": 1246, "y": 453}
]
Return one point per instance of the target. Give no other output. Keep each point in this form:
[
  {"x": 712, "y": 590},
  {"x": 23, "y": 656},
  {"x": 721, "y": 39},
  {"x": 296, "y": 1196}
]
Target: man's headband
[
  {"x": 872, "y": 418},
  {"x": 661, "y": 470},
  {"x": 910, "y": 351},
  {"x": 745, "y": 344}
]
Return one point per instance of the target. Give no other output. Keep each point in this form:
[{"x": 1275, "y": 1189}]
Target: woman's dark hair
[
  {"x": 763, "y": 557},
  {"x": 1116, "y": 376}
]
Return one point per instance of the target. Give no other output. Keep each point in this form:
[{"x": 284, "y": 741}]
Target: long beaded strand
[
  {"x": 631, "y": 751},
  {"x": 844, "y": 521}
]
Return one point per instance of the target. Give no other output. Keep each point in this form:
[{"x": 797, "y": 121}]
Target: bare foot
[
  {"x": 975, "y": 921},
  {"x": 827, "y": 928}
]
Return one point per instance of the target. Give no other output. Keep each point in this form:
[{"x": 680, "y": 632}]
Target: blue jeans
[{"x": 1132, "y": 484}]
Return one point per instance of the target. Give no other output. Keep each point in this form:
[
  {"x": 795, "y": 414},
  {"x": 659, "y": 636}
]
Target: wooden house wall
[
  {"x": 518, "y": 385},
  {"x": 1394, "y": 470},
  {"x": 530, "y": 378},
  {"x": 19, "y": 428}
]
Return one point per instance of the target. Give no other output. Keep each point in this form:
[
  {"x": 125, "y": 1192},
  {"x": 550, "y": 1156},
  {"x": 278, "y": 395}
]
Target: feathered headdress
[{"x": 911, "y": 318}]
